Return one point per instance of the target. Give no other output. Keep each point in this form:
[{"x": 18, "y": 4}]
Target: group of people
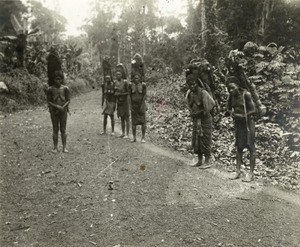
[
  {"x": 117, "y": 94},
  {"x": 130, "y": 97},
  {"x": 127, "y": 97},
  {"x": 240, "y": 106}
]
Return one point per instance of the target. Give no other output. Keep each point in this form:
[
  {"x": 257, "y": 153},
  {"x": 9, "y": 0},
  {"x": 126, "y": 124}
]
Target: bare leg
[
  {"x": 207, "y": 159},
  {"x": 134, "y": 133},
  {"x": 252, "y": 160},
  {"x": 112, "y": 118},
  {"x": 55, "y": 142},
  {"x": 127, "y": 127},
  {"x": 199, "y": 162},
  {"x": 64, "y": 142},
  {"x": 104, "y": 123},
  {"x": 250, "y": 176},
  {"x": 63, "y": 125},
  {"x": 54, "y": 119},
  {"x": 143, "y": 132},
  {"x": 123, "y": 126},
  {"x": 239, "y": 157}
]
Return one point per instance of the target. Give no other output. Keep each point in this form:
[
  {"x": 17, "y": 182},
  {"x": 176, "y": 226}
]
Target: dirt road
[{"x": 110, "y": 192}]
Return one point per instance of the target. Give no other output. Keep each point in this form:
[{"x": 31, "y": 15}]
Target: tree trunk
[
  {"x": 268, "y": 7},
  {"x": 203, "y": 19},
  {"x": 144, "y": 31},
  {"x": 203, "y": 26}
]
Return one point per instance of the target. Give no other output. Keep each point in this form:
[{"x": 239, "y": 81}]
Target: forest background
[{"x": 266, "y": 30}]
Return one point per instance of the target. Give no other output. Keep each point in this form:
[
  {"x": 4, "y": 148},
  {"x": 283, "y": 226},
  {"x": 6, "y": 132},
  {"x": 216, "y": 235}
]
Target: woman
[
  {"x": 242, "y": 108},
  {"x": 137, "y": 92},
  {"x": 200, "y": 104},
  {"x": 121, "y": 93},
  {"x": 58, "y": 97},
  {"x": 108, "y": 97}
]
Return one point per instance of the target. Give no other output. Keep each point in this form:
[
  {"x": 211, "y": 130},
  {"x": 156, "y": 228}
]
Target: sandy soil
[{"x": 110, "y": 192}]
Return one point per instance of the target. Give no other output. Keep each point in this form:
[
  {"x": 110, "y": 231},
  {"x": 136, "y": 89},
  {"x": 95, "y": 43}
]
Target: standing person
[
  {"x": 138, "y": 91},
  {"x": 109, "y": 103},
  {"x": 242, "y": 108},
  {"x": 58, "y": 97},
  {"x": 121, "y": 93},
  {"x": 200, "y": 104}
]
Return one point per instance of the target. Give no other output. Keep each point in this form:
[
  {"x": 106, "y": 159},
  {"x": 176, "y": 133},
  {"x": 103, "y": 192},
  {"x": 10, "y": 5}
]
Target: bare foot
[
  {"x": 199, "y": 163},
  {"x": 206, "y": 166},
  {"x": 207, "y": 160},
  {"x": 249, "y": 177},
  {"x": 236, "y": 175},
  {"x": 55, "y": 151}
]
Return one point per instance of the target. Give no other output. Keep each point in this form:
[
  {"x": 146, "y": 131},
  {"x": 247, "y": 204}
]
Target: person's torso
[
  {"x": 120, "y": 87},
  {"x": 137, "y": 92},
  {"x": 196, "y": 101},
  {"x": 58, "y": 95},
  {"x": 109, "y": 91},
  {"x": 237, "y": 102}
]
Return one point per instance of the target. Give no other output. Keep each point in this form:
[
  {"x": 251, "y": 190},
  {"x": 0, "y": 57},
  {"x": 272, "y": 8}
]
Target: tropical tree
[
  {"x": 49, "y": 22},
  {"x": 10, "y": 17}
]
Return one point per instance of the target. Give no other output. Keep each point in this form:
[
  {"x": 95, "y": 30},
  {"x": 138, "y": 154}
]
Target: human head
[
  {"x": 107, "y": 78},
  {"x": 233, "y": 84},
  {"x": 53, "y": 48},
  {"x": 118, "y": 75},
  {"x": 205, "y": 66},
  {"x": 136, "y": 78},
  {"x": 191, "y": 82},
  {"x": 58, "y": 78},
  {"x": 122, "y": 68}
]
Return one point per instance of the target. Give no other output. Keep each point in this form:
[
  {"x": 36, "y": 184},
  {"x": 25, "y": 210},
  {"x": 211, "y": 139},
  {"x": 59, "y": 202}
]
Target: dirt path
[{"x": 156, "y": 198}]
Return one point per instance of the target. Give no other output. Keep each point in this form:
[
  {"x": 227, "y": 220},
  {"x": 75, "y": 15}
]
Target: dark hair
[
  {"x": 233, "y": 79},
  {"x": 190, "y": 78},
  {"x": 137, "y": 74},
  {"x": 59, "y": 74},
  {"x": 122, "y": 69}
]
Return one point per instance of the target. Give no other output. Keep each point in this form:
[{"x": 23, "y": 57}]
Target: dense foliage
[
  {"x": 212, "y": 29},
  {"x": 24, "y": 49}
]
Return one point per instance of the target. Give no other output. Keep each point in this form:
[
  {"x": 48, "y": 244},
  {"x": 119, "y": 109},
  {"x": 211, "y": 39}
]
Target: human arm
[
  {"x": 130, "y": 95},
  {"x": 49, "y": 100},
  {"x": 229, "y": 107},
  {"x": 250, "y": 106},
  {"x": 121, "y": 94},
  {"x": 56, "y": 106},
  {"x": 67, "y": 96},
  {"x": 126, "y": 90},
  {"x": 49, "y": 96},
  {"x": 103, "y": 95},
  {"x": 208, "y": 102},
  {"x": 144, "y": 93},
  {"x": 188, "y": 99}
]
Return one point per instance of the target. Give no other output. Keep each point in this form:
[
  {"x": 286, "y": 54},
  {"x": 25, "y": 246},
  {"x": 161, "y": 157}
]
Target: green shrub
[{"x": 26, "y": 89}]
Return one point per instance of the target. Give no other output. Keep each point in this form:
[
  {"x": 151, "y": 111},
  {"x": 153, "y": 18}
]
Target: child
[
  {"x": 108, "y": 97},
  {"x": 137, "y": 92},
  {"x": 58, "y": 97}
]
